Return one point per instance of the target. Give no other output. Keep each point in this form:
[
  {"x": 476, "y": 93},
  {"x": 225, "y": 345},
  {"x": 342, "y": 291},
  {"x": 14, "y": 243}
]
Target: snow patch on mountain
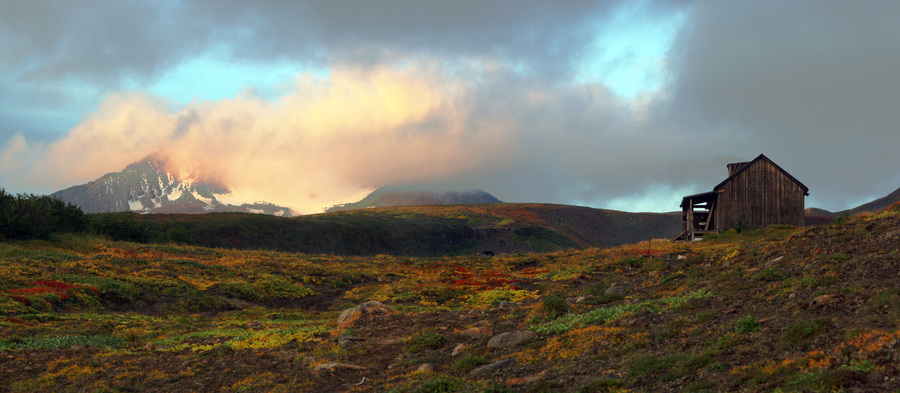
[{"x": 148, "y": 186}]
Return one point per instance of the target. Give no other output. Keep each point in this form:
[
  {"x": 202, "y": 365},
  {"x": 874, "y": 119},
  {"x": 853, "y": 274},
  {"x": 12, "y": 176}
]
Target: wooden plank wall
[{"x": 760, "y": 196}]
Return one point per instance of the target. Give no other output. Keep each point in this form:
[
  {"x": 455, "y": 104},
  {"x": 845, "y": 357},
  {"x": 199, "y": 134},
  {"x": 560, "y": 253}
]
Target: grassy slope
[
  {"x": 734, "y": 314},
  {"x": 423, "y": 230}
]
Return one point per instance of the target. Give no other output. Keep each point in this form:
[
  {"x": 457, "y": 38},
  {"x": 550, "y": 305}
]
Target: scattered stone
[
  {"x": 332, "y": 366},
  {"x": 307, "y": 361},
  {"x": 477, "y": 332},
  {"x": 426, "y": 368},
  {"x": 582, "y": 299},
  {"x": 390, "y": 341},
  {"x": 370, "y": 309},
  {"x": 79, "y": 347},
  {"x": 493, "y": 366},
  {"x": 504, "y": 305},
  {"x": 346, "y": 341},
  {"x": 637, "y": 322},
  {"x": 458, "y": 350},
  {"x": 506, "y": 340},
  {"x": 617, "y": 290},
  {"x": 525, "y": 380},
  {"x": 774, "y": 261},
  {"x": 823, "y": 301},
  {"x": 253, "y": 325},
  {"x": 238, "y": 303}
]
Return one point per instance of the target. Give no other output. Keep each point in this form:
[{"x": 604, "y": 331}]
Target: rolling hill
[{"x": 409, "y": 230}]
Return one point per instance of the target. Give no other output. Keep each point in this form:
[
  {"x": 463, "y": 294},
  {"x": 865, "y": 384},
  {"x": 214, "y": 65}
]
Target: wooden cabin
[{"x": 756, "y": 194}]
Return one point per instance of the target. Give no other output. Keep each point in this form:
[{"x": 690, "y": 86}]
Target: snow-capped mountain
[{"x": 147, "y": 186}]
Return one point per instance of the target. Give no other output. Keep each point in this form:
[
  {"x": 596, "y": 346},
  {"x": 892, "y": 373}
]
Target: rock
[
  {"x": 370, "y": 309},
  {"x": 525, "y": 380},
  {"x": 346, "y": 341},
  {"x": 307, "y": 361},
  {"x": 426, "y": 368},
  {"x": 774, "y": 261},
  {"x": 253, "y": 325},
  {"x": 390, "y": 341},
  {"x": 332, "y": 366},
  {"x": 823, "y": 301},
  {"x": 477, "y": 332},
  {"x": 504, "y": 305},
  {"x": 458, "y": 350},
  {"x": 617, "y": 290},
  {"x": 637, "y": 322},
  {"x": 506, "y": 340},
  {"x": 493, "y": 366}
]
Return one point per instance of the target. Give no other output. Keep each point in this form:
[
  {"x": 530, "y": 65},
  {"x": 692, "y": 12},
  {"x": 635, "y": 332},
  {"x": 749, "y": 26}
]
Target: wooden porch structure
[{"x": 698, "y": 212}]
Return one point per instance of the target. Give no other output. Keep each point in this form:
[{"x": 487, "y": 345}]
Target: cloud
[
  {"x": 811, "y": 84},
  {"x": 109, "y": 43},
  {"x": 332, "y": 138}
]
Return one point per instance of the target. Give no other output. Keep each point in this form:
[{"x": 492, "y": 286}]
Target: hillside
[
  {"x": 416, "y": 230},
  {"x": 876, "y": 205},
  {"x": 780, "y": 309},
  {"x": 815, "y": 216}
]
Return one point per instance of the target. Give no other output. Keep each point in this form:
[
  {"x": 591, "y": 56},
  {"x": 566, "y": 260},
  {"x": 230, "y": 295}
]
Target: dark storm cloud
[
  {"x": 813, "y": 84},
  {"x": 101, "y": 41}
]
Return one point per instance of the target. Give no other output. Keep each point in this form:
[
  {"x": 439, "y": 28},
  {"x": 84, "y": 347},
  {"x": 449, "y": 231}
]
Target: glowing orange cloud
[{"x": 328, "y": 141}]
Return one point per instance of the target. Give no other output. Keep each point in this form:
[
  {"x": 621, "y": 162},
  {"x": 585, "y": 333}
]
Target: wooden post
[{"x": 690, "y": 220}]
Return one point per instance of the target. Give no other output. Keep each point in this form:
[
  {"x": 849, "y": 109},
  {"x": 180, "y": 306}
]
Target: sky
[{"x": 620, "y": 104}]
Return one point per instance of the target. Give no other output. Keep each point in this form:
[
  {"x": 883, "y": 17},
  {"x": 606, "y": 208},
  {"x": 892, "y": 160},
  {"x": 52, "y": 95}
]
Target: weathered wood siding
[{"x": 759, "y": 196}]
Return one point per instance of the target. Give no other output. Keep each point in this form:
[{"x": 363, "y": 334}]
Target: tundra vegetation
[{"x": 775, "y": 309}]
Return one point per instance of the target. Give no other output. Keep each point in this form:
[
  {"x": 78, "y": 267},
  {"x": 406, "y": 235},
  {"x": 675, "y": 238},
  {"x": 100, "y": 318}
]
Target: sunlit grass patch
[
  {"x": 61, "y": 342},
  {"x": 604, "y": 314},
  {"x": 493, "y": 296}
]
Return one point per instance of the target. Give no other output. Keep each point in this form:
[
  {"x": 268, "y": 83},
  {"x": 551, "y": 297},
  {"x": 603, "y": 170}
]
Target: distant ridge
[
  {"x": 876, "y": 205},
  {"x": 385, "y": 197},
  {"x": 149, "y": 186},
  {"x": 434, "y": 230},
  {"x": 815, "y": 216}
]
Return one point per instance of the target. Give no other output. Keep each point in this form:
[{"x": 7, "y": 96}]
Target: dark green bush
[
  {"x": 120, "y": 226},
  {"x": 27, "y": 216},
  {"x": 748, "y": 324},
  {"x": 427, "y": 340},
  {"x": 554, "y": 306},
  {"x": 469, "y": 363}
]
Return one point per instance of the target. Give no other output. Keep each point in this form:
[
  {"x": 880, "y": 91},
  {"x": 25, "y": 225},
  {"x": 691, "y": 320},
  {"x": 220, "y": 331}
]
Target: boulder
[
  {"x": 493, "y": 366},
  {"x": 823, "y": 301},
  {"x": 616, "y": 290},
  {"x": 477, "y": 332},
  {"x": 370, "y": 309},
  {"x": 333, "y": 366},
  {"x": 458, "y": 350},
  {"x": 511, "y": 339}
]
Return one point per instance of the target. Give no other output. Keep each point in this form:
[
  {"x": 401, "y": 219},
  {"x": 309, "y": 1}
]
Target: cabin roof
[
  {"x": 702, "y": 197},
  {"x": 748, "y": 164}
]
